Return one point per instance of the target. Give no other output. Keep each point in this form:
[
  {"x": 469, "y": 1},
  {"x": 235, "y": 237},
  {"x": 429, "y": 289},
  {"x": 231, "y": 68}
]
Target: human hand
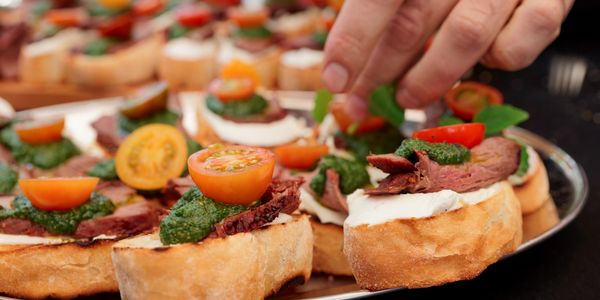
[{"x": 378, "y": 41}]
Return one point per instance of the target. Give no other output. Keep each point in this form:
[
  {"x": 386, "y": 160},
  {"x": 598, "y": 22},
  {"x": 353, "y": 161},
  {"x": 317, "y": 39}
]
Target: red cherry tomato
[
  {"x": 344, "y": 121},
  {"x": 468, "y": 135},
  {"x": 468, "y": 98},
  {"x": 147, "y": 7},
  {"x": 194, "y": 16},
  {"x": 118, "y": 27}
]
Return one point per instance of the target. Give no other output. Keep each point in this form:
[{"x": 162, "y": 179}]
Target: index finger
[{"x": 352, "y": 39}]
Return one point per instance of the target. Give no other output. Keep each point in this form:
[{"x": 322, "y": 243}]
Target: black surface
[{"x": 567, "y": 265}]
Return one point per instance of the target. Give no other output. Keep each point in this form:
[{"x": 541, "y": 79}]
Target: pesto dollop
[
  {"x": 162, "y": 117},
  {"x": 59, "y": 222},
  {"x": 237, "y": 109},
  {"x": 442, "y": 153},
  {"x": 8, "y": 179},
  {"x": 191, "y": 219},
  {"x": 382, "y": 141},
  {"x": 258, "y": 32},
  {"x": 44, "y": 156},
  {"x": 353, "y": 174},
  {"x": 523, "y": 162},
  {"x": 104, "y": 170}
]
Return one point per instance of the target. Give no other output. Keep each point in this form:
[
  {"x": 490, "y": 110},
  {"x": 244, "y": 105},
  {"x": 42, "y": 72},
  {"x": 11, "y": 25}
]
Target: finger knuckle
[
  {"x": 406, "y": 31},
  {"x": 469, "y": 30},
  {"x": 547, "y": 17},
  {"x": 510, "y": 59},
  {"x": 344, "y": 44}
]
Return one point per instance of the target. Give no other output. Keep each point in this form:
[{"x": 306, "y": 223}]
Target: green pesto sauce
[
  {"x": 378, "y": 142},
  {"x": 162, "y": 117},
  {"x": 192, "y": 218},
  {"x": 353, "y": 174},
  {"x": 237, "y": 109},
  {"x": 45, "y": 156},
  {"x": 523, "y": 162},
  {"x": 8, "y": 179},
  {"x": 99, "y": 47},
  {"x": 320, "y": 37},
  {"x": 259, "y": 32},
  {"x": 442, "y": 153},
  {"x": 104, "y": 170},
  {"x": 176, "y": 31},
  {"x": 59, "y": 222}
]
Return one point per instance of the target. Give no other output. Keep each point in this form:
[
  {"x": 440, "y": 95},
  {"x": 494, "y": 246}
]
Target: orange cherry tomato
[
  {"x": 468, "y": 135},
  {"x": 468, "y": 98},
  {"x": 150, "y": 156},
  {"x": 147, "y": 7},
  {"x": 234, "y": 89},
  {"x": 327, "y": 21},
  {"x": 336, "y": 4},
  {"x": 117, "y": 27},
  {"x": 246, "y": 18},
  {"x": 194, "y": 16},
  {"x": 66, "y": 17},
  {"x": 300, "y": 157},
  {"x": 114, "y": 4},
  {"x": 344, "y": 121},
  {"x": 240, "y": 69},
  {"x": 58, "y": 193},
  {"x": 37, "y": 132},
  {"x": 232, "y": 174}
]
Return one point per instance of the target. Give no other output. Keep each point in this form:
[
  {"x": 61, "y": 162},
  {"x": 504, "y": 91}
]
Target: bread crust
[
  {"x": 328, "y": 256},
  {"x": 535, "y": 191},
  {"x": 452, "y": 246},
  {"x": 299, "y": 79},
  {"x": 539, "y": 221},
  {"x": 134, "y": 64},
  {"x": 64, "y": 270},
  {"x": 187, "y": 74},
  {"x": 249, "y": 265}
]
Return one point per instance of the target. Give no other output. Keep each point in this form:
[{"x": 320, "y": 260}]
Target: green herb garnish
[
  {"x": 8, "y": 179},
  {"x": 383, "y": 104},
  {"x": 443, "y": 153},
  {"x": 162, "y": 117},
  {"x": 105, "y": 170},
  {"x": 353, "y": 174},
  {"x": 499, "y": 117},
  {"x": 237, "y": 109},
  {"x": 322, "y": 100}
]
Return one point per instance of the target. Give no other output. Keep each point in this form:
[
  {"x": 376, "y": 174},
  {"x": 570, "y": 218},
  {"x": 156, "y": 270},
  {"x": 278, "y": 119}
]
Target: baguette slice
[
  {"x": 187, "y": 64},
  {"x": 299, "y": 77},
  {"x": 535, "y": 191},
  {"x": 65, "y": 270},
  {"x": 134, "y": 64},
  {"x": 250, "y": 265},
  {"x": 452, "y": 246},
  {"x": 328, "y": 256}
]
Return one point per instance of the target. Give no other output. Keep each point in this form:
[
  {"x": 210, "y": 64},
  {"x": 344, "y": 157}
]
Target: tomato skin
[
  {"x": 300, "y": 157},
  {"x": 40, "y": 132},
  {"x": 194, "y": 16},
  {"x": 481, "y": 95},
  {"x": 66, "y": 17},
  {"x": 147, "y": 7},
  {"x": 233, "y": 89},
  {"x": 468, "y": 135},
  {"x": 242, "y": 185},
  {"x": 344, "y": 121},
  {"x": 114, "y": 4},
  {"x": 58, "y": 193},
  {"x": 244, "y": 18},
  {"x": 118, "y": 27},
  {"x": 150, "y": 156}
]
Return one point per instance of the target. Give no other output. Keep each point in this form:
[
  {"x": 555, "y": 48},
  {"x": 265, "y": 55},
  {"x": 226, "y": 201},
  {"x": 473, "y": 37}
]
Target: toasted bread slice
[
  {"x": 250, "y": 265},
  {"x": 328, "y": 256},
  {"x": 535, "y": 191},
  {"x": 134, "y": 64},
  {"x": 187, "y": 64},
  {"x": 447, "y": 247},
  {"x": 299, "y": 78},
  {"x": 540, "y": 221},
  {"x": 65, "y": 270}
]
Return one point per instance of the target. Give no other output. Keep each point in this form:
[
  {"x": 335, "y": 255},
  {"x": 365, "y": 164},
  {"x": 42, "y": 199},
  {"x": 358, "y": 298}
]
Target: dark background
[{"x": 567, "y": 265}]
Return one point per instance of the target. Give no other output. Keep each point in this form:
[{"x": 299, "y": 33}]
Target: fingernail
[
  {"x": 406, "y": 99},
  {"x": 356, "y": 108},
  {"x": 335, "y": 77}
]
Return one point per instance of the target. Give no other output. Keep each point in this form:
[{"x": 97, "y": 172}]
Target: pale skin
[{"x": 380, "y": 41}]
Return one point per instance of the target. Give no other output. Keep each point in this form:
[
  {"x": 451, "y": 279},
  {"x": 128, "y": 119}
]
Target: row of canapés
[
  {"x": 118, "y": 42},
  {"x": 267, "y": 199}
]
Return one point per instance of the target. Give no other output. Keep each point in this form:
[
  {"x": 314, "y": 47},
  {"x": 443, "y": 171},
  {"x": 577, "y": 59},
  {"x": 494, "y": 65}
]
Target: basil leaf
[
  {"x": 260, "y": 32},
  {"x": 383, "y": 104},
  {"x": 499, "y": 117},
  {"x": 449, "y": 120},
  {"x": 322, "y": 100},
  {"x": 523, "y": 162}
]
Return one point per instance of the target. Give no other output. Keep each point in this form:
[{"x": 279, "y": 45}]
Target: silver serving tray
[{"x": 568, "y": 182}]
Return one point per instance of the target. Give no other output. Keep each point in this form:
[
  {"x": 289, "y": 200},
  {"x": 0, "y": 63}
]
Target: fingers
[
  {"x": 398, "y": 48},
  {"x": 464, "y": 37},
  {"x": 533, "y": 26},
  {"x": 351, "y": 41}
]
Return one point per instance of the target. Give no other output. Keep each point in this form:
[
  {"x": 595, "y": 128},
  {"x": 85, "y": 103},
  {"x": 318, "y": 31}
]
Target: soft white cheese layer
[
  {"x": 302, "y": 58},
  {"x": 275, "y": 133},
  {"x": 14, "y": 239},
  {"x": 188, "y": 49},
  {"x": 533, "y": 160},
  {"x": 228, "y": 51},
  {"x": 309, "y": 204},
  {"x": 372, "y": 210}
]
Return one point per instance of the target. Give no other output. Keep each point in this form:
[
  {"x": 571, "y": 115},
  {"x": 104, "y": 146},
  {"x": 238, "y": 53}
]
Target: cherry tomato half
[
  {"x": 114, "y": 4},
  {"x": 300, "y": 157},
  {"x": 66, "y": 17},
  {"x": 194, "y": 16},
  {"x": 232, "y": 174},
  {"x": 37, "y": 132},
  {"x": 468, "y": 98},
  {"x": 468, "y": 135},
  {"x": 147, "y": 7},
  {"x": 58, "y": 193},
  {"x": 118, "y": 27},
  {"x": 233, "y": 89},
  {"x": 148, "y": 100},
  {"x": 150, "y": 156},
  {"x": 248, "y": 18},
  {"x": 344, "y": 121}
]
